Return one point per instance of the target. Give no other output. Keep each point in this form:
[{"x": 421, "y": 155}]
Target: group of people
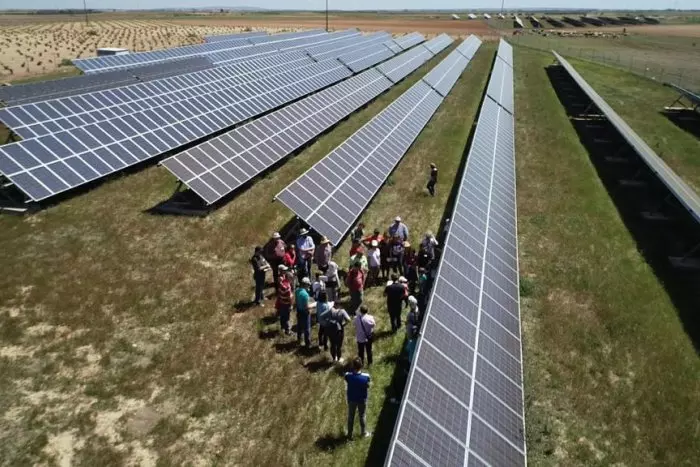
[{"x": 315, "y": 295}]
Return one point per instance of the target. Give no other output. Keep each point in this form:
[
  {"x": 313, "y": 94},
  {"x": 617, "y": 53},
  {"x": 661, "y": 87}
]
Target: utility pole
[
  {"x": 86, "y": 14},
  {"x": 326, "y": 15},
  {"x": 502, "y": 2}
]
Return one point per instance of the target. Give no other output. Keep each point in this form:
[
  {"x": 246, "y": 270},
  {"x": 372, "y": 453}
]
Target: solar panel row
[
  {"x": 333, "y": 193},
  {"x": 463, "y": 403},
  {"x": 54, "y": 89},
  {"x": 45, "y": 166},
  {"x": 240, "y": 53},
  {"x": 219, "y": 166},
  {"x": 409, "y": 40},
  {"x": 443, "y": 77},
  {"x": 681, "y": 190},
  {"x": 469, "y": 47},
  {"x": 500, "y": 86},
  {"x": 100, "y": 64},
  {"x": 228, "y": 37},
  {"x": 48, "y": 117},
  {"x": 44, "y": 118},
  {"x": 325, "y": 51}
]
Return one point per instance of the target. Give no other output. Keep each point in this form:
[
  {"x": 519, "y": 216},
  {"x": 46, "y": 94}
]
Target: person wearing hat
[
  {"x": 322, "y": 255},
  {"x": 302, "y": 298},
  {"x": 428, "y": 245},
  {"x": 260, "y": 267},
  {"x": 432, "y": 181},
  {"x": 374, "y": 259},
  {"x": 398, "y": 228},
  {"x": 284, "y": 297},
  {"x": 305, "y": 253},
  {"x": 274, "y": 249}
]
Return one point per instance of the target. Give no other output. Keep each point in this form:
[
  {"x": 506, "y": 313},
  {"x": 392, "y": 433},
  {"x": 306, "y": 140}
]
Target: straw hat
[
  {"x": 276, "y": 235},
  {"x": 324, "y": 240},
  {"x": 374, "y": 243},
  {"x": 397, "y": 219},
  {"x": 303, "y": 231}
]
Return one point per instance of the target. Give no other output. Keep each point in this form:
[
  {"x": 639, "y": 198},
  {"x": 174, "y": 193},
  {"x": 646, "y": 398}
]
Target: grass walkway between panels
[
  {"x": 611, "y": 376},
  {"x": 124, "y": 338}
]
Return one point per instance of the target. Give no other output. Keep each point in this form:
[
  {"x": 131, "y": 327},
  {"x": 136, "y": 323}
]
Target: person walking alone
[
  {"x": 260, "y": 267},
  {"x": 364, "y": 333},
  {"x": 357, "y": 393},
  {"x": 432, "y": 181}
]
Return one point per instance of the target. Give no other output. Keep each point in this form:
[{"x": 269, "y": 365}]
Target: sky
[{"x": 355, "y": 4}]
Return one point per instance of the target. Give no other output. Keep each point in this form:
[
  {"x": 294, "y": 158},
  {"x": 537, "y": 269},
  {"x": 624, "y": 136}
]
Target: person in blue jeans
[
  {"x": 303, "y": 315},
  {"x": 357, "y": 391},
  {"x": 260, "y": 267}
]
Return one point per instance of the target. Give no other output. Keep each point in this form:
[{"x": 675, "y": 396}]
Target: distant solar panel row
[
  {"x": 681, "y": 190},
  {"x": 325, "y": 51},
  {"x": 410, "y": 40},
  {"x": 54, "y": 89},
  {"x": 333, "y": 193},
  {"x": 43, "y": 118},
  {"x": 239, "y": 53},
  {"x": 469, "y": 47},
  {"x": 443, "y": 77},
  {"x": 219, "y": 166},
  {"x": 99, "y": 64},
  {"x": 45, "y": 166},
  {"x": 463, "y": 403},
  {"x": 228, "y": 37}
]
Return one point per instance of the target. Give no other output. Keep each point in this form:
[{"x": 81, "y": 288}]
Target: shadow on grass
[
  {"x": 331, "y": 442},
  {"x": 687, "y": 120},
  {"x": 655, "y": 219},
  {"x": 269, "y": 319},
  {"x": 316, "y": 366},
  {"x": 269, "y": 334},
  {"x": 242, "y": 306}
]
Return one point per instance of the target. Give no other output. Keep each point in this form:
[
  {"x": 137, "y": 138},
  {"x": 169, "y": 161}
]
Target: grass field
[
  {"x": 126, "y": 338},
  {"x": 611, "y": 376}
]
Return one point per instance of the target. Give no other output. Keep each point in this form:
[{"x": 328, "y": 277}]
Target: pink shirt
[{"x": 368, "y": 322}]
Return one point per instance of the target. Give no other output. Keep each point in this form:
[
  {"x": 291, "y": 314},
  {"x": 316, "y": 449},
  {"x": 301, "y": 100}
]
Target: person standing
[
  {"x": 302, "y": 299},
  {"x": 432, "y": 181},
  {"x": 374, "y": 261},
  {"x": 305, "y": 253},
  {"x": 332, "y": 281},
  {"x": 358, "y": 232},
  {"x": 364, "y": 333},
  {"x": 260, "y": 267},
  {"x": 359, "y": 257},
  {"x": 399, "y": 228},
  {"x": 412, "y": 319},
  {"x": 384, "y": 248},
  {"x": 336, "y": 332},
  {"x": 322, "y": 255},
  {"x": 395, "y": 297},
  {"x": 410, "y": 265},
  {"x": 356, "y": 285},
  {"x": 284, "y": 297},
  {"x": 323, "y": 315},
  {"x": 377, "y": 235},
  {"x": 428, "y": 245},
  {"x": 357, "y": 393},
  {"x": 396, "y": 251},
  {"x": 275, "y": 250}
]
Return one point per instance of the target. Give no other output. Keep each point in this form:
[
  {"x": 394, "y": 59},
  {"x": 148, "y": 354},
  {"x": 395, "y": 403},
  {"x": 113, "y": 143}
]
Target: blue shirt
[
  {"x": 401, "y": 230},
  {"x": 302, "y": 299},
  {"x": 358, "y": 384}
]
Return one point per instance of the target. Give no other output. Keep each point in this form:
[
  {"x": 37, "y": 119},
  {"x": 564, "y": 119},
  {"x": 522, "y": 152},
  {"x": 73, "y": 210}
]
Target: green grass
[
  {"x": 113, "y": 314},
  {"x": 611, "y": 377}
]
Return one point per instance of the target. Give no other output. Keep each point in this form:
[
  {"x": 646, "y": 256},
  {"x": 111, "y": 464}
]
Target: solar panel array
[
  {"x": 54, "y": 89},
  {"x": 500, "y": 86},
  {"x": 240, "y": 53},
  {"x": 48, "y": 165},
  {"x": 469, "y": 47},
  {"x": 113, "y": 62},
  {"x": 409, "y": 40},
  {"x": 681, "y": 190},
  {"x": 325, "y": 51},
  {"x": 219, "y": 166},
  {"x": 443, "y": 77},
  {"x": 48, "y": 117},
  {"x": 333, "y": 193},
  {"x": 228, "y": 37},
  {"x": 463, "y": 403}
]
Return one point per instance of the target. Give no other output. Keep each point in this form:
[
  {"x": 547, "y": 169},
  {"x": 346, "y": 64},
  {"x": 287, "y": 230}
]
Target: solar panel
[
  {"x": 333, "y": 193},
  {"x": 683, "y": 193},
  {"x": 362, "y": 59},
  {"x": 228, "y": 37},
  {"x": 393, "y": 46},
  {"x": 48, "y": 117},
  {"x": 693, "y": 97},
  {"x": 218, "y": 167},
  {"x": 53, "y": 89},
  {"x": 418, "y": 55},
  {"x": 100, "y": 64},
  {"x": 500, "y": 86},
  {"x": 463, "y": 403},
  {"x": 410, "y": 40},
  {"x": 439, "y": 43},
  {"x": 325, "y": 51},
  {"x": 505, "y": 53},
  {"x": 43, "y": 167},
  {"x": 236, "y": 54},
  {"x": 443, "y": 77},
  {"x": 469, "y": 47}
]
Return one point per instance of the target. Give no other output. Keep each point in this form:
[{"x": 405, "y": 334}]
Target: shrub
[{"x": 65, "y": 62}]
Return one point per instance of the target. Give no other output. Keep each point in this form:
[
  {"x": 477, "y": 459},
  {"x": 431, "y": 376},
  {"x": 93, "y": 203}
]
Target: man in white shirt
[
  {"x": 364, "y": 330},
  {"x": 374, "y": 261},
  {"x": 305, "y": 253},
  {"x": 332, "y": 281}
]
